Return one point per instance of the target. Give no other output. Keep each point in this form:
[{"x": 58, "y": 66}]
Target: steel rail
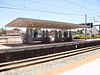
[{"x": 43, "y": 59}]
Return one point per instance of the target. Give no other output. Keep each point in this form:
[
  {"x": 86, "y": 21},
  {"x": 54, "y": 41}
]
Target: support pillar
[
  {"x": 56, "y": 36},
  {"x": 47, "y": 34},
  {"x": 60, "y": 36},
  {"x": 45, "y": 37},
  {"x": 65, "y": 36},
  {"x": 28, "y": 37},
  {"x": 70, "y": 35},
  {"x": 25, "y": 36}
]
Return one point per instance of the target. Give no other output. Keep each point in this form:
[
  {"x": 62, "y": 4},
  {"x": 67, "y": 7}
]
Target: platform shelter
[{"x": 44, "y": 31}]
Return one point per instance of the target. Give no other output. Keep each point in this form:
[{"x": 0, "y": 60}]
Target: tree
[
  {"x": 2, "y": 31},
  {"x": 79, "y": 32}
]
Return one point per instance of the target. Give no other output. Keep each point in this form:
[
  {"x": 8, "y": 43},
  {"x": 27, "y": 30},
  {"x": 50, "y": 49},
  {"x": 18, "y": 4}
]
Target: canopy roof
[{"x": 35, "y": 23}]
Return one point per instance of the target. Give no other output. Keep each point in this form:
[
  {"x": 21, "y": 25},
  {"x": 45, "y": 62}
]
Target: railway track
[{"x": 38, "y": 60}]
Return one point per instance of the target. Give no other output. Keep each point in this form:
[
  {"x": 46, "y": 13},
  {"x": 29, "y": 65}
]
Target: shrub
[{"x": 77, "y": 37}]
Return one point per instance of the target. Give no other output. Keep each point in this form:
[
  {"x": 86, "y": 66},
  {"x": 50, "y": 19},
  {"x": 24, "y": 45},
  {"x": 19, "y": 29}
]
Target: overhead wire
[
  {"x": 62, "y": 7},
  {"x": 7, "y": 7},
  {"x": 25, "y": 8},
  {"x": 39, "y": 10},
  {"x": 50, "y": 5},
  {"x": 92, "y": 3},
  {"x": 80, "y": 6},
  {"x": 47, "y": 4}
]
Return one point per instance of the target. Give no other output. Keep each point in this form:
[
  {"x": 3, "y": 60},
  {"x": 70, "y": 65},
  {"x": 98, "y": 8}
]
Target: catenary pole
[{"x": 86, "y": 27}]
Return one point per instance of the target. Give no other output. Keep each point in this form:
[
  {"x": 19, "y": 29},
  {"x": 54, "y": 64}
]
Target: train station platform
[
  {"x": 91, "y": 68},
  {"x": 16, "y": 44},
  {"x": 23, "y": 51}
]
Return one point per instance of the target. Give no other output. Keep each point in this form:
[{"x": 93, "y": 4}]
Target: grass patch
[{"x": 87, "y": 36}]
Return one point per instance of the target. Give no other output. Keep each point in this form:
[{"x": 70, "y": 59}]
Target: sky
[{"x": 72, "y": 11}]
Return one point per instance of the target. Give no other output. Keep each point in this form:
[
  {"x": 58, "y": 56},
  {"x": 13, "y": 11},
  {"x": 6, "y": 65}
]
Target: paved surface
[
  {"x": 20, "y": 45},
  {"x": 4, "y": 46},
  {"x": 91, "y": 68}
]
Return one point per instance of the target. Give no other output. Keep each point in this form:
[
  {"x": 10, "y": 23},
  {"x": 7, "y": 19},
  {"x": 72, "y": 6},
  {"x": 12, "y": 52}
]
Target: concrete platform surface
[
  {"x": 91, "y": 68},
  {"x": 20, "y": 44},
  {"x": 4, "y": 46}
]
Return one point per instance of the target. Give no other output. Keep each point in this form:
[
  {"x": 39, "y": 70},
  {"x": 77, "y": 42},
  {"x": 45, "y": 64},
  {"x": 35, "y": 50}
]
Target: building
[
  {"x": 61, "y": 30},
  {"x": 13, "y": 32}
]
